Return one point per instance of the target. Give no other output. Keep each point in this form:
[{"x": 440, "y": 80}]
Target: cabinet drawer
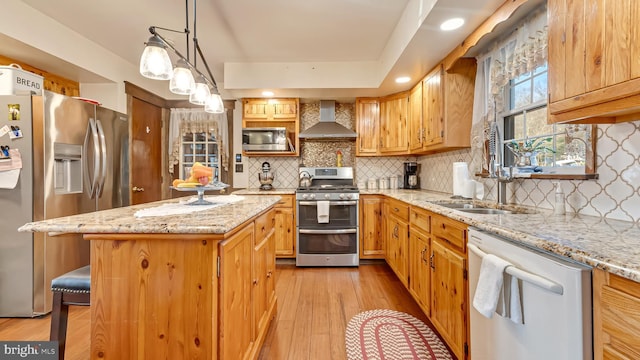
[
  {"x": 398, "y": 208},
  {"x": 454, "y": 232},
  {"x": 421, "y": 219},
  {"x": 285, "y": 202},
  {"x": 264, "y": 224}
]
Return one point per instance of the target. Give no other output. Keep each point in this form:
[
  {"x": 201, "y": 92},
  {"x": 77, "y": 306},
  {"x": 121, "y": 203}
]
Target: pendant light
[
  {"x": 200, "y": 92},
  {"x": 182, "y": 80},
  {"x": 214, "y": 104},
  {"x": 155, "y": 62}
]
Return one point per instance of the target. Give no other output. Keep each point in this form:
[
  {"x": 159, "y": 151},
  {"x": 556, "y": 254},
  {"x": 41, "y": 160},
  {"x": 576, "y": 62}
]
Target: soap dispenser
[{"x": 559, "y": 201}]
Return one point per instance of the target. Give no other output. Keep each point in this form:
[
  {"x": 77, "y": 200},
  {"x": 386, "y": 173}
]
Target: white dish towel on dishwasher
[
  {"x": 323, "y": 212},
  {"x": 489, "y": 284}
]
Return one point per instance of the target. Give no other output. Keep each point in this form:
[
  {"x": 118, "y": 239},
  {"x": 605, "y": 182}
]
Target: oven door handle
[
  {"x": 338, "y": 231},
  {"x": 315, "y": 203}
]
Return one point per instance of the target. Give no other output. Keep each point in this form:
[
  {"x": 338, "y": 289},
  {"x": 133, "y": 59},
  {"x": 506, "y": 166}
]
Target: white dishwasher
[{"x": 555, "y": 296}]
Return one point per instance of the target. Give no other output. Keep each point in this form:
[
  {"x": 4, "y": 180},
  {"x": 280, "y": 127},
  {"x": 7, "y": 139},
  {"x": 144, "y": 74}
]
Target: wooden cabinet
[
  {"x": 247, "y": 293},
  {"x": 397, "y": 238},
  {"x": 449, "y": 295},
  {"x": 415, "y": 118},
  {"x": 447, "y": 108},
  {"x": 285, "y": 227},
  {"x": 235, "y": 331},
  {"x": 371, "y": 227},
  {"x": 616, "y": 317},
  {"x": 367, "y": 123},
  {"x": 594, "y": 62},
  {"x": 394, "y": 131},
  {"x": 285, "y": 113},
  {"x": 419, "y": 268}
]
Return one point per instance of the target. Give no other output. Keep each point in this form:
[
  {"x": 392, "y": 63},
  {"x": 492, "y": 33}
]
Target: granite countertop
[
  {"x": 217, "y": 220},
  {"x": 257, "y": 191},
  {"x": 608, "y": 244}
]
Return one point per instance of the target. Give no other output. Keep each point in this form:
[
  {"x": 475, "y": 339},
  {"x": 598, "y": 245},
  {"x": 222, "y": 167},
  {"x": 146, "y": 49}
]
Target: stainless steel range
[{"x": 327, "y": 218}]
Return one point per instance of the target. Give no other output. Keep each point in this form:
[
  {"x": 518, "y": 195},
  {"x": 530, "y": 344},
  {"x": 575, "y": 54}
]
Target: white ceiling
[{"x": 304, "y": 48}]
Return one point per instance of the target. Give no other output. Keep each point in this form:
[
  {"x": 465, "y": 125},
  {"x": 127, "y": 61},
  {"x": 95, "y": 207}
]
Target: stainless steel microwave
[{"x": 265, "y": 139}]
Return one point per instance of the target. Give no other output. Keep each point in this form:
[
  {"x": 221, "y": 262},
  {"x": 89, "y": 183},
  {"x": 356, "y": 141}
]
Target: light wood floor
[{"x": 314, "y": 307}]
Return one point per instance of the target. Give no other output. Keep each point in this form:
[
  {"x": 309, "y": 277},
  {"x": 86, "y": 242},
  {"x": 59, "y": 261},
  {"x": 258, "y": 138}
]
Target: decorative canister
[
  {"x": 372, "y": 184},
  {"x": 383, "y": 183},
  {"x": 393, "y": 182}
]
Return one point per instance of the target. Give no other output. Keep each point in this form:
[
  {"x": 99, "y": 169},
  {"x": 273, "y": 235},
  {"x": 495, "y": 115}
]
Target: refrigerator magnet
[
  {"x": 4, "y": 130},
  {"x": 14, "y": 111},
  {"x": 15, "y": 133}
]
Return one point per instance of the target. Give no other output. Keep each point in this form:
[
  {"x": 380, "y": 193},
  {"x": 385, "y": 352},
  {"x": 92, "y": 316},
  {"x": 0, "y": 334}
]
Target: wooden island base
[{"x": 183, "y": 296}]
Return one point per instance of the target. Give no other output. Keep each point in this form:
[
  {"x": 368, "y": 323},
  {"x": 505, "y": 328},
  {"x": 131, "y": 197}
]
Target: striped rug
[{"x": 391, "y": 335}]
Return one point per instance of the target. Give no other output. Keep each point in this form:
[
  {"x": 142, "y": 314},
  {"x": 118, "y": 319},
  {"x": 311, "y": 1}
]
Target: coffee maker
[{"x": 411, "y": 179}]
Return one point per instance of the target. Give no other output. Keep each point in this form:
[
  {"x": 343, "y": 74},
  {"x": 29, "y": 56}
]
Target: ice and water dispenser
[{"x": 68, "y": 168}]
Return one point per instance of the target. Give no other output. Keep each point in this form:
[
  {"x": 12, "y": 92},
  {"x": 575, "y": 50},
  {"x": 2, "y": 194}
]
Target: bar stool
[{"x": 72, "y": 288}]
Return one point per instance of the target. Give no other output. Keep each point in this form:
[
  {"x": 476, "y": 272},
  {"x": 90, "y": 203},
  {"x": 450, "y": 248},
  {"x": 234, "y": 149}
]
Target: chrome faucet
[{"x": 496, "y": 170}]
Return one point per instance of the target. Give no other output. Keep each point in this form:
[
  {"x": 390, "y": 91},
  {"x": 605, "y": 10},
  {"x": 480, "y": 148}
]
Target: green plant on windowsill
[{"x": 527, "y": 151}]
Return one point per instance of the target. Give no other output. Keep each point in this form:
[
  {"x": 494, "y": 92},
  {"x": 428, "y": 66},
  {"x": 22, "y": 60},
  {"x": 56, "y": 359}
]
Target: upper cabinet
[
  {"x": 367, "y": 122},
  {"x": 393, "y": 124},
  {"x": 447, "y": 109},
  {"x": 594, "y": 60},
  {"x": 268, "y": 113}
]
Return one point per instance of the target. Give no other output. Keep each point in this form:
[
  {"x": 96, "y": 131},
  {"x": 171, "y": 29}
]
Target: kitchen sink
[{"x": 476, "y": 208}]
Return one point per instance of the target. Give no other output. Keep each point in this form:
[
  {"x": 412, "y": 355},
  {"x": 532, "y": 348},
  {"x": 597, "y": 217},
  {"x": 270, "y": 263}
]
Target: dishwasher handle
[{"x": 534, "y": 279}]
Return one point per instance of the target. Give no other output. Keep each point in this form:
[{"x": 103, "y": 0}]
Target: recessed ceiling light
[
  {"x": 452, "y": 24},
  {"x": 403, "y": 79},
  {"x": 267, "y": 93}
]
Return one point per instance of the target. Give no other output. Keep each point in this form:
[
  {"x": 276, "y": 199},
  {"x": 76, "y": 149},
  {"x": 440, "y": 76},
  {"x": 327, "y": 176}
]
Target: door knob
[{"x": 137, "y": 189}]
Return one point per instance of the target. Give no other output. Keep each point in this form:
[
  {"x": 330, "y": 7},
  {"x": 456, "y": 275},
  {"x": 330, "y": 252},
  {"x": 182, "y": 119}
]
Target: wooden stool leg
[{"x": 59, "y": 315}]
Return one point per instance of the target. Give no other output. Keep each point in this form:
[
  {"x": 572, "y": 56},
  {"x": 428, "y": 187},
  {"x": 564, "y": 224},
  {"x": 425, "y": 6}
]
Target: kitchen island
[{"x": 199, "y": 285}]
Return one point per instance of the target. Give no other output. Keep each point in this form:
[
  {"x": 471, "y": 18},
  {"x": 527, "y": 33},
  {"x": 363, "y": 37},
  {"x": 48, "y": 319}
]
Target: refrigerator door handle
[
  {"x": 103, "y": 160},
  {"x": 92, "y": 133}
]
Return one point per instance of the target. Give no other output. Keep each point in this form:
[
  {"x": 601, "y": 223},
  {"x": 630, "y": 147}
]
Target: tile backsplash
[{"x": 615, "y": 194}]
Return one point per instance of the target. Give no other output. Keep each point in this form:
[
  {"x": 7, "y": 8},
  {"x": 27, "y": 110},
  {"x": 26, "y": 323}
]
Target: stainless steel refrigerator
[{"x": 74, "y": 160}]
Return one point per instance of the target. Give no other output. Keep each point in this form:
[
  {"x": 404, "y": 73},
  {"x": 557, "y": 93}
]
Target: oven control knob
[
  {"x": 349, "y": 196},
  {"x": 312, "y": 196},
  {"x": 305, "y": 196},
  {"x": 341, "y": 196},
  {"x": 327, "y": 196}
]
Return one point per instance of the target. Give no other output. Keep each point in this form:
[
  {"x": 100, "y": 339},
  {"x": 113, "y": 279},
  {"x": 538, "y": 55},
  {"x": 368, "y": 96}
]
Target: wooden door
[
  {"x": 393, "y": 124},
  {"x": 415, "y": 118},
  {"x": 235, "y": 337},
  {"x": 432, "y": 107},
  {"x": 398, "y": 244},
  {"x": 146, "y": 152},
  {"x": 285, "y": 231},
  {"x": 448, "y": 296},
  {"x": 367, "y": 122},
  {"x": 371, "y": 236},
  {"x": 259, "y": 297},
  {"x": 419, "y": 269}
]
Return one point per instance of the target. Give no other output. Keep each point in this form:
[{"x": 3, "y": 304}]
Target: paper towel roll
[{"x": 460, "y": 176}]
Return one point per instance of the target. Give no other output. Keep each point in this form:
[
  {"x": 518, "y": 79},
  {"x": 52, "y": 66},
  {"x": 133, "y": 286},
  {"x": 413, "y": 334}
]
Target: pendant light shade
[
  {"x": 155, "y": 62},
  {"x": 214, "y": 104},
  {"x": 182, "y": 80},
  {"x": 200, "y": 92}
]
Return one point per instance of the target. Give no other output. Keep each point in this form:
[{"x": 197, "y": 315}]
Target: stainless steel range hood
[{"x": 327, "y": 128}]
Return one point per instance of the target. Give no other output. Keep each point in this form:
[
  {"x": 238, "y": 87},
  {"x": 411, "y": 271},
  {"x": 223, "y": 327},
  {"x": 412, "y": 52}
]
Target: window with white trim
[{"x": 199, "y": 147}]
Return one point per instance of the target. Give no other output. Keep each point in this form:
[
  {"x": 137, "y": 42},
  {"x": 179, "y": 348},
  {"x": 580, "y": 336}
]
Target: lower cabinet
[
  {"x": 397, "y": 239},
  {"x": 285, "y": 227},
  {"x": 427, "y": 252},
  {"x": 372, "y": 244},
  {"x": 247, "y": 300},
  {"x": 616, "y": 317}
]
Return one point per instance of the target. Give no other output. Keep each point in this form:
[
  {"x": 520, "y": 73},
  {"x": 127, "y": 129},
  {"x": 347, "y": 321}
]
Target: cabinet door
[
  {"x": 256, "y": 109},
  {"x": 235, "y": 338},
  {"x": 398, "y": 246},
  {"x": 393, "y": 124},
  {"x": 371, "y": 239},
  {"x": 284, "y": 108},
  {"x": 448, "y": 295},
  {"x": 432, "y": 107},
  {"x": 259, "y": 281},
  {"x": 367, "y": 122},
  {"x": 271, "y": 270},
  {"x": 285, "y": 232},
  {"x": 415, "y": 118},
  {"x": 419, "y": 269}
]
